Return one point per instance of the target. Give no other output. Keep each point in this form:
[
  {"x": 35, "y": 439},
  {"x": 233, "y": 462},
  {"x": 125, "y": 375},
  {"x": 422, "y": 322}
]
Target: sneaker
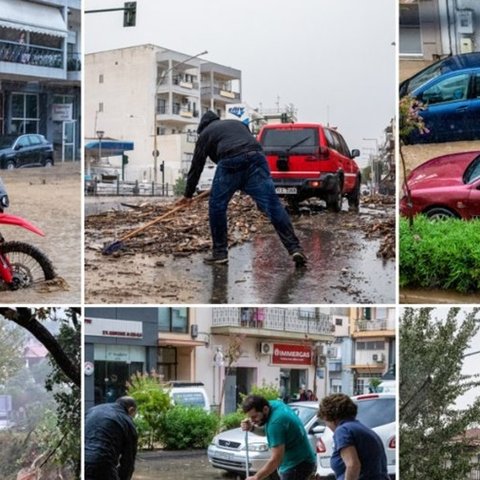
[
  {"x": 299, "y": 258},
  {"x": 216, "y": 259}
]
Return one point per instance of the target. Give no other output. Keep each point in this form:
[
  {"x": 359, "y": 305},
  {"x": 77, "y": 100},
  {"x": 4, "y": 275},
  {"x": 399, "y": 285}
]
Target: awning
[
  {"x": 109, "y": 148},
  {"x": 32, "y": 17}
]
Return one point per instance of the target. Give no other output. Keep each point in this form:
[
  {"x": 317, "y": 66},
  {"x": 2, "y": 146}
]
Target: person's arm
[
  {"x": 272, "y": 465},
  {"x": 247, "y": 424},
  {"x": 196, "y": 168},
  {"x": 127, "y": 460},
  {"x": 352, "y": 462}
]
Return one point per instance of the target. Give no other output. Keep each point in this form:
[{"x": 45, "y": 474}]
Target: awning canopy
[
  {"x": 32, "y": 17},
  {"x": 108, "y": 147}
]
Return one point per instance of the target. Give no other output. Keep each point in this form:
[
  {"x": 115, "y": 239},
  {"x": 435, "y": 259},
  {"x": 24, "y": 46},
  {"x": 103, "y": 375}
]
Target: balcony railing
[
  {"x": 177, "y": 110},
  {"x": 371, "y": 325},
  {"x": 74, "y": 63},
  {"x": 280, "y": 319},
  {"x": 30, "y": 55},
  {"x": 221, "y": 92}
]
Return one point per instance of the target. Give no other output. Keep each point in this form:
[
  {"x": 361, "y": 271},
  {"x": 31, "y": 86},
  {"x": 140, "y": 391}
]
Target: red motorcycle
[{"x": 21, "y": 265}]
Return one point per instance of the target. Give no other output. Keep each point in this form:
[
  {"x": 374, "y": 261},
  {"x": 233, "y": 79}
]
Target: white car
[
  {"x": 375, "y": 410},
  {"x": 227, "y": 450}
]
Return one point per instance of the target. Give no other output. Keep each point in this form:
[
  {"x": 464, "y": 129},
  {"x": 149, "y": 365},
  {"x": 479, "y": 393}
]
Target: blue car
[{"x": 451, "y": 102}]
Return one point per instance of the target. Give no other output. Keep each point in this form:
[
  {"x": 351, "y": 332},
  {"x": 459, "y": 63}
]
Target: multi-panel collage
[{"x": 239, "y": 240}]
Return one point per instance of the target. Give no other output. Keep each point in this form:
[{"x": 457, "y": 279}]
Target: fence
[
  {"x": 31, "y": 55},
  {"x": 133, "y": 189}
]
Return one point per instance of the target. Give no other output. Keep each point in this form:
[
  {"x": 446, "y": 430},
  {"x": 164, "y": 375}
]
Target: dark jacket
[
  {"x": 218, "y": 139},
  {"x": 111, "y": 438}
]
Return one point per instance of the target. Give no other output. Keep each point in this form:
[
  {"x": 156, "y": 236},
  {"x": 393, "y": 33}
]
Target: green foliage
[
  {"x": 410, "y": 118},
  {"x": 153, "y": 401},
  {"x": 232, "y": 420},
  {"x": 431, "y": 381},
  {"x": 12, "y": 449},
  {"x": 188, "y": 428},
  {"x": 374, "y": 383},
  {"x": 179, "y": 187},
  {"x": 12, "y": 340},
  {"x": 269, "y": 391},
  {"x": 443, "y": 254}
]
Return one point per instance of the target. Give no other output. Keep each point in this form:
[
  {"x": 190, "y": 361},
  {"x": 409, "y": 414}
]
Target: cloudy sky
[{"x": 333, "y": 59}]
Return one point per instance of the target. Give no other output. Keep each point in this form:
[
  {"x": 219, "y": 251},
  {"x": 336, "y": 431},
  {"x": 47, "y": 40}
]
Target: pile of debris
[
  {"x": 385, "y": 230},
  {"x": 182, "y": 234},
  {"x": 375, "y": 200}
]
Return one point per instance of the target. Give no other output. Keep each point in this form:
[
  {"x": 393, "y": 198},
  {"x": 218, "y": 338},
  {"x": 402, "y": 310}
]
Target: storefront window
[
  {"x": 24, "y": 113},
  {"x": 114, "y": 365},
  {"x": 173, "y": 319},
  {"x": 167, "y": 363}
]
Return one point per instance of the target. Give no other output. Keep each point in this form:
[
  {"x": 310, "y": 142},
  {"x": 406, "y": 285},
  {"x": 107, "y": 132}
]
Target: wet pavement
[
  {"x": 177, "y": 465},
  {"x": 343, "y": 268}
]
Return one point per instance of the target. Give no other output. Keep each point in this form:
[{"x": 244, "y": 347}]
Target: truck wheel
[
  {"x": 335, "y": 200},
  {"x": 354, "y": 197}
]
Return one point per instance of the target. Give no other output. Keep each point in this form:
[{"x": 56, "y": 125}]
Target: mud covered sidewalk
[{"x": 351, "y": 256}]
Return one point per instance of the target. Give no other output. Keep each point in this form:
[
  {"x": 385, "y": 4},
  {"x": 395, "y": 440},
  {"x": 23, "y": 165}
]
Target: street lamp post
[
  {"x": 155, "y": 135},
  {"x": 100, "y": 134}
]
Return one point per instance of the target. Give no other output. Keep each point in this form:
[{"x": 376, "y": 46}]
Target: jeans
[
  {"x": 302, "y": 471},
  {"x": 249, "y": 173},
  {"x": 100, "y": 472}
]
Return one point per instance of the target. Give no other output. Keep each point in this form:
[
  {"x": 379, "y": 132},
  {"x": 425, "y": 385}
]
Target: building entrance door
[{"x": 68, "y": 141}]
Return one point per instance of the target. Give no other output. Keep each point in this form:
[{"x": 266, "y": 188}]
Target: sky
[{"x": 334, "y": 60}]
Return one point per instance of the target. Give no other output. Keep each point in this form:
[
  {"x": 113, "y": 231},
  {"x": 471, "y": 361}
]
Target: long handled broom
[{"x": 118, "y": 244}]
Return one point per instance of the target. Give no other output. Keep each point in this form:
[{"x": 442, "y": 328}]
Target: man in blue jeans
[
  {"x": 241, "y": 165},
  {"x": 291, "y": 452}
]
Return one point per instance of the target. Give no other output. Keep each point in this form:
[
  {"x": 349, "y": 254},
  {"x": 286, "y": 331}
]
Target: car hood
[
  {"x": 237, "y": 435},
  {"x": 444, "y": 171}
]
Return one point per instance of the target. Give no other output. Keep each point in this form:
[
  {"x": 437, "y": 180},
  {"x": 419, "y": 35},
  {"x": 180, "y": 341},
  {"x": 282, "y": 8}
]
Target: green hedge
[{"x": 440, "y": 254}]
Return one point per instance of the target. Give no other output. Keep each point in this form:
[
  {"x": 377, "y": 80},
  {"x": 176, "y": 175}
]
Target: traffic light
[
  {"x": 129, "y": 14},
  {"x": 124, "y": 159},
  {"x": 284, "y": 118},
  {"x": 162, "y": 167}
]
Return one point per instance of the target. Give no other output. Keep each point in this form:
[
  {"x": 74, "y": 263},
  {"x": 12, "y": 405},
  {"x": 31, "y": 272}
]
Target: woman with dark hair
[{"x": 358, "y": 451}]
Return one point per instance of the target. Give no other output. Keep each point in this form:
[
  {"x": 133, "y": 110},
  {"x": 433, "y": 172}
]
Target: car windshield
[
  {"x": 376, "y": 411},
  {"x": 189, "y": 399},
  {"x": 6, "y": 141},
  {"x": 288, "y": 138},
  {"x": 304, "y": 413},
  {"x": 431, "y": 72},
  {"x": 472, "y": 173}
]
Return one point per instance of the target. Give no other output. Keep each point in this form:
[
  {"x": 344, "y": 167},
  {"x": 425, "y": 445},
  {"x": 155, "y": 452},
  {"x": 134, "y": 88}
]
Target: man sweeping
[{"x": 241, "y": 165}]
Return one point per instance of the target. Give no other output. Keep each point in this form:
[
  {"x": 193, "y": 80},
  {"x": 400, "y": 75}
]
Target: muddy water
[
  {"x": 435, "y": 296},
  {"x": 177, "y": 466}
]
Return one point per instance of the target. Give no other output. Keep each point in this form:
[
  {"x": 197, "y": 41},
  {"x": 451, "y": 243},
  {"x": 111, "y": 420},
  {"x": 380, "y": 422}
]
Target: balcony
[
  {"x": 374, "y": 328},
  {"x": 219, "y": 93},
  {"x": 273, "y": 323}
]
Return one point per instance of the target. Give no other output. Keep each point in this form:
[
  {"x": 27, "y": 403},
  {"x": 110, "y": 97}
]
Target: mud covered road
[
  {"x": 50, "y": 198},
  {"x": 165, "y": 266}
]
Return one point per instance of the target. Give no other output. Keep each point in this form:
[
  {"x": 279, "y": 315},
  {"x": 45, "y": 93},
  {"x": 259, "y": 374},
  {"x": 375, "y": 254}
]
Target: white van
[{"x": 189, "y": 394}]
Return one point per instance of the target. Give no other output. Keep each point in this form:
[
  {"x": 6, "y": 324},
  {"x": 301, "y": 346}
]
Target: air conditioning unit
[
  {"x": 378, "y": 357},
  {"x": 266, "y": 348}
]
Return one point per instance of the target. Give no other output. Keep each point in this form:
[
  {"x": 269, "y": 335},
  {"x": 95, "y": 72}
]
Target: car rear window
[
  {"x": 376, "y": 412},
  {"x": 286, "y": 138},
  {"x": 189, "y": 399}
]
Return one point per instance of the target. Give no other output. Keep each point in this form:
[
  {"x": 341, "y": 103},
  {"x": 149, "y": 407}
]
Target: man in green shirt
[{"x": 292, "y": 454}]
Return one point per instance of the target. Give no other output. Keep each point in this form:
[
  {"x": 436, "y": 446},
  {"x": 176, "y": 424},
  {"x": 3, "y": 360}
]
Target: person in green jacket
[{"x": 292, "y": 454}]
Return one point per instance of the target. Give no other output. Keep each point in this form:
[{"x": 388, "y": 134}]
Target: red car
[
  {"x": 446, "y": 186},
  {"x": 310, "y": 160}
]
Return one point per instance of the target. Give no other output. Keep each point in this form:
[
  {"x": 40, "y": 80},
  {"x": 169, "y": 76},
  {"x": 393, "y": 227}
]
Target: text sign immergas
[
  {"x": 107, "y": 327},
  {"x": 291, "y": 354}
]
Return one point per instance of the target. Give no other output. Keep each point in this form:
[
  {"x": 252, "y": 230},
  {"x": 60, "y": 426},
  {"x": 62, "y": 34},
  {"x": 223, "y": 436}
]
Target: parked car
[
  {"x": 31, "y": 149},
  {"x": 189, "y": 394},
  {"x": 450, "y": 95},
  {"x": 227, "y": 450},
  {"x": 449, "y": 64},
  {"x": 311, "y": 160},
  {"x": 375, "y": 410},
  {"x": 445, "y": 186}
]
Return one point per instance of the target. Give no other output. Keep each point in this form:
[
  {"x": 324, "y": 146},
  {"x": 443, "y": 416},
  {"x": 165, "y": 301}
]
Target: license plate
[
  {"x": 224, "y": 455},
  {"x": 286, "y": 190}
]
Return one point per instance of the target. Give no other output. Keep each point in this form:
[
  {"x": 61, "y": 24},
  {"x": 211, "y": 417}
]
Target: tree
[
  {"x": 11, "y": 346},
  {"x": 431, "y": 380}
]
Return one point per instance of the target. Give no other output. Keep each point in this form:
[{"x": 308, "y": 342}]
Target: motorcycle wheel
[{"x": 29, "y": 265}]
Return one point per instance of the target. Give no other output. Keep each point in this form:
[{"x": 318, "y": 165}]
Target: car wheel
[
  {"x": 439, "y": 213},
  {"x": 10, "y": 165},
  {"x": 48, "y": 163},
  {"x": 335, "y": 199},
  {"x": 354, "y": 197}
]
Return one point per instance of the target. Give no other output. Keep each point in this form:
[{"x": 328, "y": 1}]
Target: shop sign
[
  {"x": 291, "y": 354},
  {"x": 107, "y": 327},
  {"x": 62, "y": 112}
]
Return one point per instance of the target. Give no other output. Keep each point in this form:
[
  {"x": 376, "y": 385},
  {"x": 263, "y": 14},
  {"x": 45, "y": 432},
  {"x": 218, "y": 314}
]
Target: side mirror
[
  {"x": 17, "y": 147},
  {"x": 4, "y": 201},
  {"x": 355, "y": 152}
]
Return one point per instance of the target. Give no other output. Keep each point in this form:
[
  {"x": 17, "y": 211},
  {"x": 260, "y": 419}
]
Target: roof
[{"x": 108, "y": 147}]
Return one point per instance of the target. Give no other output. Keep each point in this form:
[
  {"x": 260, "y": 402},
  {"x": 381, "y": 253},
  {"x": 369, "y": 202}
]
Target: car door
[
  {"x": 23, "y": 151},
  {"x": 472, "y": 115},
  {"x": 446, "y": 104}
]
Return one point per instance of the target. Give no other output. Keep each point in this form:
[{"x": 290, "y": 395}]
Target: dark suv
[
  {"x": 31, "y": 149},
  {"x": 310, "y": 160}
]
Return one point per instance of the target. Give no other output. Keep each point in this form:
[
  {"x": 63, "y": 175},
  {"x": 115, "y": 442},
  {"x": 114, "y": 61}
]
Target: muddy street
[
  {"x": 50, "y": 198},
  {"x": 191, "y": 464},
  {"x": 342, "y": 250}
]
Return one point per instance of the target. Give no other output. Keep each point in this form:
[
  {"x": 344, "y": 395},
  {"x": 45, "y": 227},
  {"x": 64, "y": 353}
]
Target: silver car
[
  {"x": 375, "y": 410},
  {"x": 227, "y": 450}
]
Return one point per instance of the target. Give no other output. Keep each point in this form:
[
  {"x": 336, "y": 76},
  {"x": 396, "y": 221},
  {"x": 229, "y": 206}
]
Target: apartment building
[
  {"x": 433, "y": 29},
  {"x": 40, "y": 71},
  {"x": 153, "y": 97}
]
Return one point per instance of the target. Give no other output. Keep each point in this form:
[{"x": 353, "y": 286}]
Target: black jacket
[
  {"x": 111, "y": 438},
  {"x": 218, "y": 139}
]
